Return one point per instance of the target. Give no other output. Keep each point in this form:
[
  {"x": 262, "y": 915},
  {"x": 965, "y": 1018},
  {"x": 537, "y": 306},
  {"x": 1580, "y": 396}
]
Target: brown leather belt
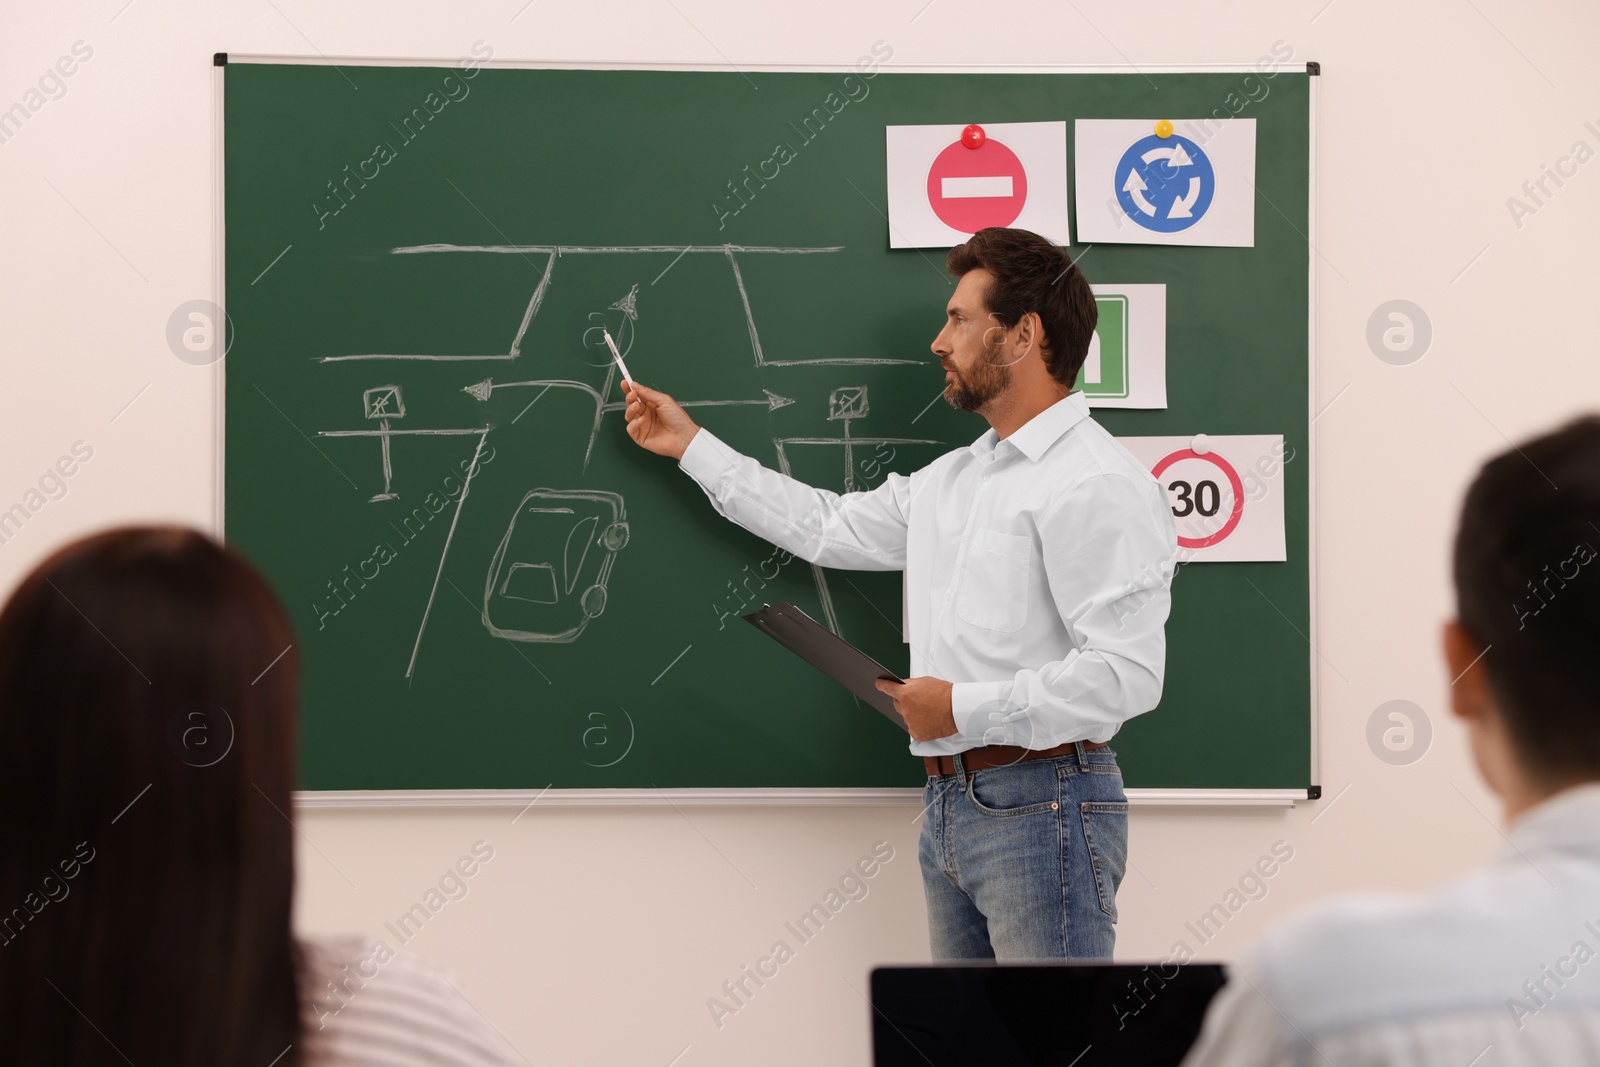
[{"x": 976, "y": 759}]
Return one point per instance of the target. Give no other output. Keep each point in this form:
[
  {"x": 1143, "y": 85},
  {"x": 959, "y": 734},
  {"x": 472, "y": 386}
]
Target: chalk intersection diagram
[{"x": 548, "y": 576}]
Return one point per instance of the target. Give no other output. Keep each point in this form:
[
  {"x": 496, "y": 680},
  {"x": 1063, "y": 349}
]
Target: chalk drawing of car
[{"x": 548, "y": 577}]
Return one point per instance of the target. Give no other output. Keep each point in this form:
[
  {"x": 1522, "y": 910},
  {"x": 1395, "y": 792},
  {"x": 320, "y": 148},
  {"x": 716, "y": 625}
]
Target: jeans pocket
[
  {"x": 1014, "y": 790},
  {"x": 1105, "y": 832}
]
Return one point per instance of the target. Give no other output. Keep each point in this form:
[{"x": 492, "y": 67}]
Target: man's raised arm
[{"x": 856, "y": 531}]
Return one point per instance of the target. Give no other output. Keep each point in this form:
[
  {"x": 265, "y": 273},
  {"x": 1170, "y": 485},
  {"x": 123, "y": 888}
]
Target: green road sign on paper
[
  {"x": 1105, "y": 371},
  {"x": 1127, "y": 362}
]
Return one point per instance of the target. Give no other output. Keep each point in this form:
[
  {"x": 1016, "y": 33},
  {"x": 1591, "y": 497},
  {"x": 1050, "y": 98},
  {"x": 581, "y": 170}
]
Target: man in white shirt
[
  {"x": 1038, "y": 564},
  {"x": 1499, "y": 968}
]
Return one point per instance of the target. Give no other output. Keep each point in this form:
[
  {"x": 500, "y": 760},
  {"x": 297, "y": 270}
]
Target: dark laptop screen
[{"x": 1038, "y": 1015}]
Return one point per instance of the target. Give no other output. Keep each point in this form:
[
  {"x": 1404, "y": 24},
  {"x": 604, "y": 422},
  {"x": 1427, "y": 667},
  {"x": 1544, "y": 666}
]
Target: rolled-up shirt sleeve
[
  {"x": 1109, "y": 549},
  {"x": 863, "y": 531}
]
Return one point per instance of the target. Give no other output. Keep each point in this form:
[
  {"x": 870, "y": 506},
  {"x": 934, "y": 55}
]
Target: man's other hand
[{"x": 924, "y": 703}]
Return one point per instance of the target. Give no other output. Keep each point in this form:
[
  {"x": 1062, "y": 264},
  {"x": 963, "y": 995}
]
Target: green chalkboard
[{"x": 494, "y": 588}]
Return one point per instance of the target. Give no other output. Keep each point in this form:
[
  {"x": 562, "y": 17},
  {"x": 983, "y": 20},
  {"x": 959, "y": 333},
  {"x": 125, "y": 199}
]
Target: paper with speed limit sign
[{"x": 1226, "y": 492}]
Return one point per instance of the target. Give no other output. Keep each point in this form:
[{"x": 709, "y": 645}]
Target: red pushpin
[{"x": 973, "y": 136}]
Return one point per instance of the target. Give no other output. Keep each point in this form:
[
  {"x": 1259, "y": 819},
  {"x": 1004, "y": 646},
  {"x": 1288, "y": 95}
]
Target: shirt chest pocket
[{"x": 993, "y": 592}]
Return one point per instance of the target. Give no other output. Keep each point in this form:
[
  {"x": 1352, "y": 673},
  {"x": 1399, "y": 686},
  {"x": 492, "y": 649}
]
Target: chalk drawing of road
[
  {"x": 548, "y": 576},
  {"x": 553, "y": 254}
]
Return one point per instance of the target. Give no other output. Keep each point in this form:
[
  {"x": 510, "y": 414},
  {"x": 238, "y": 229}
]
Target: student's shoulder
[
  {"x": 1346, "y": 925},
  {"x": 1373, "y": 956},
  {"x": 363, "y": 1001},
  {"x": 1340, "y": 962},
  {"x": 1492, "y": 901}
]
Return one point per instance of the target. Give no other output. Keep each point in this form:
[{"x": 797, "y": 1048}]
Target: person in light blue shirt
[
  {"x": 1503, "y": 967},
  {"x": 1038, "y": 566}
]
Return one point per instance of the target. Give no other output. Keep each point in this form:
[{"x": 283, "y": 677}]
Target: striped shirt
[{"x": 365, "y": 1004}]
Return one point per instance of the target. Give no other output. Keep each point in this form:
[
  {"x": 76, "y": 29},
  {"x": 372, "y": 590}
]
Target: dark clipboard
[{"x": 828, "y": 653}]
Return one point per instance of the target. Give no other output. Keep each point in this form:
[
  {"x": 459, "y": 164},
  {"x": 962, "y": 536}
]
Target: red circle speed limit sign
[
  {"x": 970, "y": 188},
  {"x": 1206, "y": 494}
]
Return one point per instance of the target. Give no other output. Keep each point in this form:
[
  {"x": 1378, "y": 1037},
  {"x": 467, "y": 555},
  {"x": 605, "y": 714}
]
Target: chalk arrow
[
  {"x": 1135, "y": 188},
  {"x": 1181, "y": 206},
  {"x": 482, "y": 390},
  {"x": 629, "y": 305},
  {"x": 773, "y": 402}
]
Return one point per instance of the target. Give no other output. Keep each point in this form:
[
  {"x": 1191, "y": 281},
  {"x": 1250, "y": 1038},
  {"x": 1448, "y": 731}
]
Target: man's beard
[{"x": 987, "y": 379}]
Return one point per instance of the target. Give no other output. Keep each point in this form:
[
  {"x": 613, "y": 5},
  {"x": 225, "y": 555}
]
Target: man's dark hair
[
  {"x": 1034, "y": 274},
  {"x": 1527, "y": 583}
]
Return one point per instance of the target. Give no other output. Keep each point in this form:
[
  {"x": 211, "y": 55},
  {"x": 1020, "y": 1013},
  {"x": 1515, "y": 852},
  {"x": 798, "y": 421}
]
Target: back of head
[
  {"x": 1528, "y": 590},
  {"x": 147, "y": 737}
]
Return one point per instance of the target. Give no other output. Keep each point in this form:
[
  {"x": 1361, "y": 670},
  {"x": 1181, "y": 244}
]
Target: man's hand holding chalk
[
  {"x": 655, "y": 421},
  {"x": 617, "y": 356}
]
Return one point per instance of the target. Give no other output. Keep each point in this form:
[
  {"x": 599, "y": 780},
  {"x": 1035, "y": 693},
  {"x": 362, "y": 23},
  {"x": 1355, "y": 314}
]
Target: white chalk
[{"x": 617, "y": 356}]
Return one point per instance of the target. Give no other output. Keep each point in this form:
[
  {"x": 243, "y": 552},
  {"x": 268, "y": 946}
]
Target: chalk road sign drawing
[
  {"x": 844, "y": 403},
  {"x": 384, "y": 403}
]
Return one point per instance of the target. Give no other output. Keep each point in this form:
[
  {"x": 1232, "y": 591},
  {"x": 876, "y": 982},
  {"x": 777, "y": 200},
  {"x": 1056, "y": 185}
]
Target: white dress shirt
[
  {"x": 1038, "y": 569},
  {"x": 1501, "y": 968}
]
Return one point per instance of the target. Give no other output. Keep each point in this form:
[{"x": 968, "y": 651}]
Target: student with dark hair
[
  {"x": 148, "y": 683},
  {"x": 1501, "y": 967},
  {"x": 1038, "y": 568}
]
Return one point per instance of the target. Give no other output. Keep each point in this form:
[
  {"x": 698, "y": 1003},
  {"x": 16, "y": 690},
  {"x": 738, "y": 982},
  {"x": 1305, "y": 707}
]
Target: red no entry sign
[{"x": 970, "y": 188}]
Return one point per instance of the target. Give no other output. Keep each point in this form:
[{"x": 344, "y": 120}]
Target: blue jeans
[{"x": 1023, "y": 861}]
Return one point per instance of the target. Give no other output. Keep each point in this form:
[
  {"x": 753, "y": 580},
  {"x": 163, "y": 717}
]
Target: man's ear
[
  {"x": 1030, "y": 333},
  {"x": 1463, "y": 655}
]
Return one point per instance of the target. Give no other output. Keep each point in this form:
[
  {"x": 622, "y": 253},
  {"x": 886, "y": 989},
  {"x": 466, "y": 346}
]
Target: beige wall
[{"x": 597, "y": 936}]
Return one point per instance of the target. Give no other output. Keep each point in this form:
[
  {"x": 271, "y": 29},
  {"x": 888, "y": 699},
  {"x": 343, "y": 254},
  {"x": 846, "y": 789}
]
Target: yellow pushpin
[{"x": 1163, "y": 129}]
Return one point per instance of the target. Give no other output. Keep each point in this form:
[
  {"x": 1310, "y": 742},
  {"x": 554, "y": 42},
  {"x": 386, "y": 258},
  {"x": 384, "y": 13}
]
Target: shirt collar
[
  {"x": 1566, "y": 821},
  {"x": 1036, "y": 435}
]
